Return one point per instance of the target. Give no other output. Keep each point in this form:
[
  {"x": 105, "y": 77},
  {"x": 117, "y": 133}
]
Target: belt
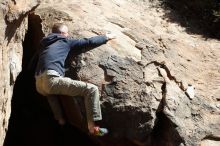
[{"x": 48, "y": 72}]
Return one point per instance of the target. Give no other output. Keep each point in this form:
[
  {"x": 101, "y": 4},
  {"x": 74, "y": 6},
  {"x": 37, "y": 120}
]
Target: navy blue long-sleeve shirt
[{"x": 55, "y": 48}]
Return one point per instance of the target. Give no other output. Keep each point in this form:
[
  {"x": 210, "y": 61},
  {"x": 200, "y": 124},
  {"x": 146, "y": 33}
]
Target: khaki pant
[{"x": 50, "y": 83}]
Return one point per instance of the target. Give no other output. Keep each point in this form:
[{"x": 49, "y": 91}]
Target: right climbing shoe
[{"x": 100, "y": 131}]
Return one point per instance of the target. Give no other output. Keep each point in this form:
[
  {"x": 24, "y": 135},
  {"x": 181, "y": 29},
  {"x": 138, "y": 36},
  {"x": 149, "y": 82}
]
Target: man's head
[{"x": 60, "y": 28}]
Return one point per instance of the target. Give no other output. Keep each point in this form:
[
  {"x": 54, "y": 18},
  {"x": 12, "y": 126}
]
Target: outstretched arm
[{"x": 93, "y": 41}]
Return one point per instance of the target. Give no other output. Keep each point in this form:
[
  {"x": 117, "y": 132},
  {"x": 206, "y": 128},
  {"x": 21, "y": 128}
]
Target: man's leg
[
  {"x": 93, "y": 109},
  {"x": 53, "y": 100},
  {"x": 72, "y": 112},
  {"x": 69, "y": 87},
  {"x": 56, "y": 108}
]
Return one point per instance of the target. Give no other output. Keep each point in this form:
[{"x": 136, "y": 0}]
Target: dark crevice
[
  {"x": 169, "y": 75},
  {"x": 31, "y": 122},
  {"x": 164, "y": 132},
  {"x": 212, "y": 137},
  {"x": 31, "y": 43}
]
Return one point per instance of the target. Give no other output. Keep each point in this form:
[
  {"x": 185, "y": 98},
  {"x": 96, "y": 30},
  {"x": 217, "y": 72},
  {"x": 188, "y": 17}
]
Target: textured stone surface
[
  {"x": 210, "y": 143},
  {"x": 142, "y": 75},
  {"x": 13, "y": 25}
]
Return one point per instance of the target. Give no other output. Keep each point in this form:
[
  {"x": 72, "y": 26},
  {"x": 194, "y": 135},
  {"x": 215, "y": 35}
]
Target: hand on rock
[{"x": 110, "y": 35}]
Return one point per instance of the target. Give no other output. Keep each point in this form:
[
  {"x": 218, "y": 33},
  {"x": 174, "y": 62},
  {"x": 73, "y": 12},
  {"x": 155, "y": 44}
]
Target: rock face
[
  {"x": 142, "y": 75},
  {"x": 13, "y": 26}
]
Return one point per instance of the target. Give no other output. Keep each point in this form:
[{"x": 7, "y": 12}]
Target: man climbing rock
[{"x": 50, "y": 79}]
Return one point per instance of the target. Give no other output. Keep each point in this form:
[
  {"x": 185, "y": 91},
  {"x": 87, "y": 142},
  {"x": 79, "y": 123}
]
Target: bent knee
[{"x": 92, "y": 88}]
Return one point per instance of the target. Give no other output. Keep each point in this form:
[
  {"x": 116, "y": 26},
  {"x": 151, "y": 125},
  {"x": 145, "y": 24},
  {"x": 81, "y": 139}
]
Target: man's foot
[{"x": 100, "y": 131}]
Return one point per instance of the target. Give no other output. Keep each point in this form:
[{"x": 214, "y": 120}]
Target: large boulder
[{"x": 142, "y": 75}]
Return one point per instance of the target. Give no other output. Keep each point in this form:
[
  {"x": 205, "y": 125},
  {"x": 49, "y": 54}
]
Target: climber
[{"x": 50, "y": 71}]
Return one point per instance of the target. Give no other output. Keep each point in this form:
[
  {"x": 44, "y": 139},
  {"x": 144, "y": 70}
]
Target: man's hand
[{"x": 110, "y": 35}]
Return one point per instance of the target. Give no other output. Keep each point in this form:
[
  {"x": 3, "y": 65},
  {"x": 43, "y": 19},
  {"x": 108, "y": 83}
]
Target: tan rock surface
[
  {"x": 13, "y": 25},
  {"x": 147, "y": 40}
]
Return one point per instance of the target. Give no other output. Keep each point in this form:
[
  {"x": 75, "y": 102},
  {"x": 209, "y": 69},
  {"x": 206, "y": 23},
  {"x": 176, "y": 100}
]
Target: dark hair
[{"x": 58, "y": 28}]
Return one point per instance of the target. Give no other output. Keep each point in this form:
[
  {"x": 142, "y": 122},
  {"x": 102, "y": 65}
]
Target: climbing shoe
[{"x": 100, "y": 131}]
